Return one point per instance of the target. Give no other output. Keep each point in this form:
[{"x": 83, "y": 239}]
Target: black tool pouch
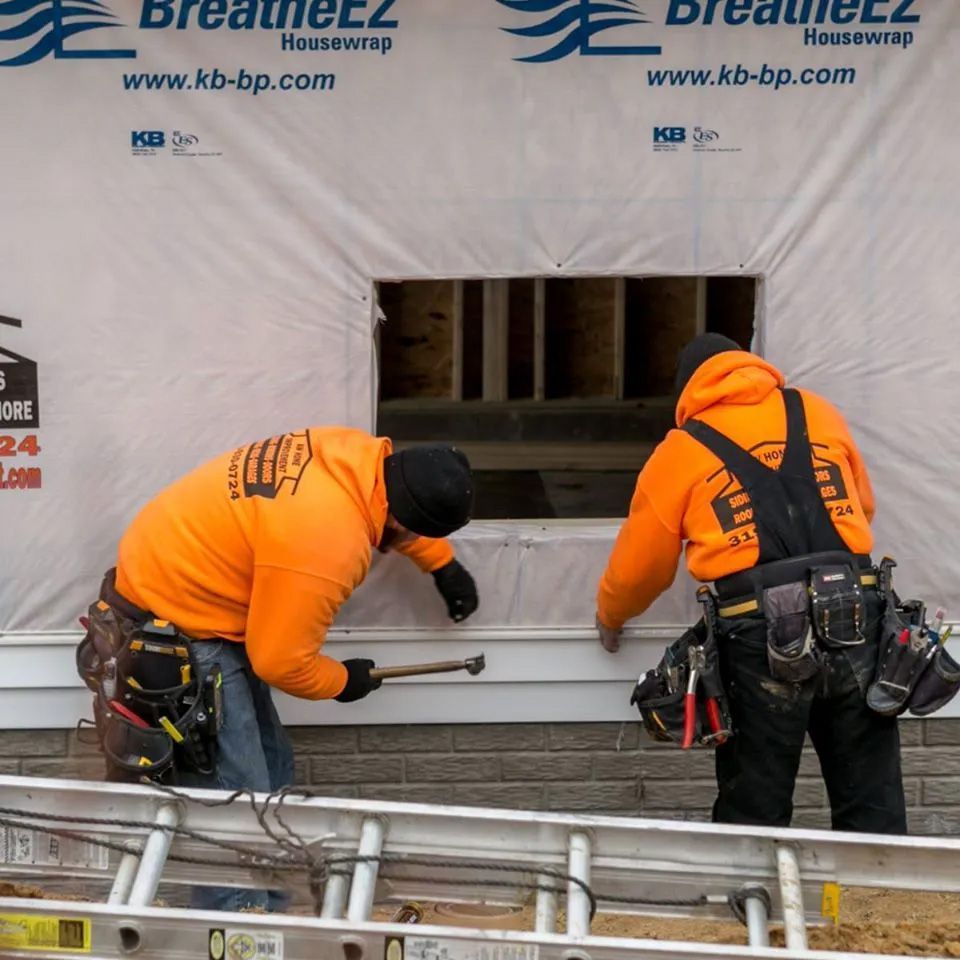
[
  {"x": 161, "y": 682},
  {"x": 132, "y": 752},
  {"x": 902, "y": 661},
  {"x": 659, "y": 695},
  {"x": 156, "y": 714},
  {"x": 660, "y": 707},
  {"x": 837, "y": 607},
  {"x": 937, "y": 685},
  {"x": 792, "y": 654},
  {"x": 908, "y": 657}
]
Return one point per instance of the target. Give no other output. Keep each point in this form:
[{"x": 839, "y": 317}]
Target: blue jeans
[{"x": 254, "y": 752}]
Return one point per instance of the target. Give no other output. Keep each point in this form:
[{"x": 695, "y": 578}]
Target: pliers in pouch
[{"x": 697, "y": 663}]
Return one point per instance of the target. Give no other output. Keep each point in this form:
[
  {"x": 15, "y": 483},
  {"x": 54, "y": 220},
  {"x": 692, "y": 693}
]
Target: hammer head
[{"x": 474, "y": 665}]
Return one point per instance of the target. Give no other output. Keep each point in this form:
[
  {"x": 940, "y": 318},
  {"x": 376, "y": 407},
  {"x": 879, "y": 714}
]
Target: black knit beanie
[
  {"x": 429, "y": 489},
  {"x": 698, "y": 351}
]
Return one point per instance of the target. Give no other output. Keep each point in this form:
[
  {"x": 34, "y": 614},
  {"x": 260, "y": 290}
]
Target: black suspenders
[{"x": 790, "y": 516}]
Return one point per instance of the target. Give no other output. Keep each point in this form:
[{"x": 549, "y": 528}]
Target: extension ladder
[{"x": 132, "y": 837}]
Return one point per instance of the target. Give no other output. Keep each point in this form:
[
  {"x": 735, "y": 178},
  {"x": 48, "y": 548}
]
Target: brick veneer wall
[{"x": 584, "y": 767}]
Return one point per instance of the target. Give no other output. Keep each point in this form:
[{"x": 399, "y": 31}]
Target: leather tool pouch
[
  {"x": 106, "y": 636},
  {"x": 155, "y": 713},
  {"x": 792, "y": 654},
  {"x": 837, "y": 607}
]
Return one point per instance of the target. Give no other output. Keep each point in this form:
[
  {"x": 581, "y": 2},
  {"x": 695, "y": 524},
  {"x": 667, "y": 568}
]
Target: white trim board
[{"x": 533, "y": 675}]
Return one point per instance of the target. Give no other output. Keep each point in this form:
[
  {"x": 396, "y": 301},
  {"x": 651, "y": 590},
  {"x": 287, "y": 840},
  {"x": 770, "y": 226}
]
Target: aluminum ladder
[{"x": 417, "y": 851}]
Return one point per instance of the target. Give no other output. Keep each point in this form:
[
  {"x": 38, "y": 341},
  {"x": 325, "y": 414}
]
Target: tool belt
[
  {"x": 914, "y": 670},
  {"x": 811, "y": 604},
  {"x": 682, "y": 700},
  {"x": 155, "y": 713}
]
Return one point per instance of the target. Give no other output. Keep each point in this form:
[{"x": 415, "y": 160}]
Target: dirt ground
[{"x": 871, "y": 921}]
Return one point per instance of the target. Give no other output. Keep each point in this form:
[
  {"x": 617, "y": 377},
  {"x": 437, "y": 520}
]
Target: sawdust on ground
[{"x": 871, "y": 921}]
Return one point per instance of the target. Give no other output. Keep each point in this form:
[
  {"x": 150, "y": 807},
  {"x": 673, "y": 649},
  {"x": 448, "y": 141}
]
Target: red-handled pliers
[
  {"x": 690, "y": 700},
  {"x": 697, "y": 660}
]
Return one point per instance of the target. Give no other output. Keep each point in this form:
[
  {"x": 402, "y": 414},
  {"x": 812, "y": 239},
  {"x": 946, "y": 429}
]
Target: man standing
[
  {"x": 251, "y": 555},
  {"x": 766, "y": 487}
]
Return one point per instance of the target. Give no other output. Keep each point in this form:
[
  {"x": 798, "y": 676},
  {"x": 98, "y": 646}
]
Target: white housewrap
[{"x": 190, "y": 247}]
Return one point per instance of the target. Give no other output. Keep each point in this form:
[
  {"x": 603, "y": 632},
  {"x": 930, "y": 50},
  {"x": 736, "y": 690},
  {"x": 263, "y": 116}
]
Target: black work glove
[
  {"x": 458, "y": 588},
  {"x": 359, "y": 682}
]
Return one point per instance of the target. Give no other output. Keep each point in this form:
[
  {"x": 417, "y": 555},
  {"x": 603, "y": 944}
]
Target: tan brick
[
  {"x": 593, "y": 736},
  {"x": 301, "y": 771},
  {"x": 696, "y": 816},
  {"x": 69, "y": 768},
  {"x": 33, "y": 743},
  {"x": 445, "y": 768},
  {"x": 811, "y": 819},
  {"x": 338, "y": 791},
  {"x": 930, "y": 761},
  {"x": 308, "y": 740},
  {"x": 911, "y": 732},
  {"x": 368, "y": 768},
  {"x": 670, "y": 765},
  {"x": 408, "y": 792},
  {"x": 592, "y": 797},
  {"x": 546, "y": 766},
  {"x": 514, "y": 796},
  {"x": 84, "y": 745},
  {"x": 934, "y": 822},
  {"x": 939, "y": 731},
  {"x": 680, "y": 794},
  {"x": 809, "y": 764},
  {"x": 623, "y": 765},
  {"x": 406, "y": 739},
  {"x": 912, "y": 792},
  {"x": 484, "y": 737},
  {"x": 941, "y": 791}
]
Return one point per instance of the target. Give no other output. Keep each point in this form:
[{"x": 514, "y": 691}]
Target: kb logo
[
  {"x": 669, "y": 134},
  {"x": 147, "y": 139}
]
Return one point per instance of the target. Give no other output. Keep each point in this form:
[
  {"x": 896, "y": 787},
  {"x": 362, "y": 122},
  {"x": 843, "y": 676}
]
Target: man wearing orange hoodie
[
  {"x": 252, "y": 554},
  {"x": 765, "y": 485}
]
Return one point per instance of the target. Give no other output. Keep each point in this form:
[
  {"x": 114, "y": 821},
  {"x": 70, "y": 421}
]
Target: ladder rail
[
  {"x": 629, "y": 857},
  {"x": 166, "y": 932}
]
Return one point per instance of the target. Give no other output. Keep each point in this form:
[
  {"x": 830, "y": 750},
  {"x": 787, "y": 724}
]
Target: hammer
[{"x": 473, "y": 666}]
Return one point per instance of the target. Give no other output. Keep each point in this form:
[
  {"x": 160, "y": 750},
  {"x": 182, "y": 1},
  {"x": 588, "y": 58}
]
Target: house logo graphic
[
  {"x": 573, "y": 24},
  {"x": 19, "y": 396},
  {"x": 33, "y": 29}
]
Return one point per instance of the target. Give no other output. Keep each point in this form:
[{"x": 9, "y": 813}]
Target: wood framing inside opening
[{"x": 557, "y": 388}]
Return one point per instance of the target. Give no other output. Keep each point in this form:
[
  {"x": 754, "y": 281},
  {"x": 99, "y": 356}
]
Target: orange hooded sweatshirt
[
  {"x": 684, "y": 493},
  {"x": 263, "y": 544}
]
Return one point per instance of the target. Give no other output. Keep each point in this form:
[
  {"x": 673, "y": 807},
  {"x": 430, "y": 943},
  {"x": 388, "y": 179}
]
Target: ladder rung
[
  {"x": 364, "y": 884},
  {"x": 578, "y": 866}
]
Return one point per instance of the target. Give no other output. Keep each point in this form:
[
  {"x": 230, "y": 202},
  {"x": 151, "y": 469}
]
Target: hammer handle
[{"x": 416, "y": 669}]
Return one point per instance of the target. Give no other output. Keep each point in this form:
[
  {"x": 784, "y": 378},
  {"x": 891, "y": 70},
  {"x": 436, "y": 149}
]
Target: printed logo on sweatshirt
[
  {"x": 732, "y": 506},
  {"x": 267, "y": 467}
]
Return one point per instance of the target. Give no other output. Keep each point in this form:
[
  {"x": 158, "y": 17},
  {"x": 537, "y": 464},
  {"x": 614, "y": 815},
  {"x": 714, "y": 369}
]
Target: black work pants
[{"x": 859, "y": 750}]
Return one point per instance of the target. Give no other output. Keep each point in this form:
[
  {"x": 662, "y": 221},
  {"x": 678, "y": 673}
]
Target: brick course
[{"x": 584, "y": 767}]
